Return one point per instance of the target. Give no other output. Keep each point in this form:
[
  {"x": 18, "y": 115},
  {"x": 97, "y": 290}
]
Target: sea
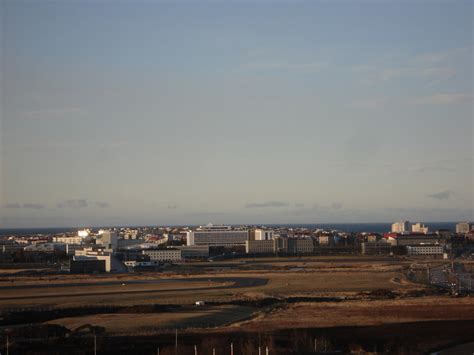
[{"x": 343, "y": 227}]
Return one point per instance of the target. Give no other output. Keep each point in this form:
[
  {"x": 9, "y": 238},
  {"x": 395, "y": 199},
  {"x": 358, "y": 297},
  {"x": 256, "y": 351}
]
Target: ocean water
[{"x": 345, "y": 227}]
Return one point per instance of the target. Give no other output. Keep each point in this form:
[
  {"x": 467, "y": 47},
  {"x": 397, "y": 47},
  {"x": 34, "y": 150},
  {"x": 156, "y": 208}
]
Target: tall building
[
  {"x": 401, "y": 226},
  {"x": 217, "y": 236},
  {"x": 463, "y": 227},
  {"x": 419, "y": 228}
]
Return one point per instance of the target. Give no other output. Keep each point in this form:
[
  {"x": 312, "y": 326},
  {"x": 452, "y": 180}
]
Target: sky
[{"x": 190, "y": 112}]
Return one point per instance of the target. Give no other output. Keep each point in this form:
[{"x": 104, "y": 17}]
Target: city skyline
[{"x": 158, "y": 113}]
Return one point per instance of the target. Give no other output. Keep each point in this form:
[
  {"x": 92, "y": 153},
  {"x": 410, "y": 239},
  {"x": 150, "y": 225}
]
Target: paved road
[{"x": 237, "y": 282}]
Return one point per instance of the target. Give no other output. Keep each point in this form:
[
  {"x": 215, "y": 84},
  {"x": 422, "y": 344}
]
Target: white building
[
  {"x": 217, "y": 236},
  {"x": 401, "y": 226},
  {"x": 419, "y": 228},
  {"x": 68, "y": 240},
  {"x": 83, "y": 233},
  {"x": 425, "y": 250},
  {"x": 163, "y": 254},
  {"x": 263, "y": 234}
]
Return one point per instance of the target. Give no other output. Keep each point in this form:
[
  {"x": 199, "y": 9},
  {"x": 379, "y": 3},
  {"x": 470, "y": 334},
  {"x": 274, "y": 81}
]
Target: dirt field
[
  {"x": 196, "y": 317},
  {"x": 363, "y": 313}
]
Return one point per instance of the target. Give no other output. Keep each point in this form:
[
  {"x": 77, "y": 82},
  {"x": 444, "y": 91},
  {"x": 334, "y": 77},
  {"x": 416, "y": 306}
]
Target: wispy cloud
[
  {"x": 442, "y": 56},
  {"x": 102, "y": 204},
  {"x": 35, "y": 206},
  {"x": 49, "y": 112},
  {"x": 272, "y": 65},
  {"x": 73, "y": 203},
  {"x": 275, "y": 204},
  {"x": 443, "y": 195},
  {"x": 442, "y": 99}
]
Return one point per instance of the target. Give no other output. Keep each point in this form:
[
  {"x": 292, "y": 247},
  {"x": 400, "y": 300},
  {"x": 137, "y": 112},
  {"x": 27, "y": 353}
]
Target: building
[
  {"x": 89, "y": 260},
  {"x": 9, "y": 246},
  {"x": 217, "y": 236},
  {"x": 260, "y": 234},
  {"x": 164, "y": 255},
  {"x": 127, "y": 243},
  {"x": 376, "y": 248},
  {"x": 109, "y": 240},
  {"x": 83, "y": 233},
  {"x": 326, "y": 239},
  {"x": 68, "y": 239},
  {"x": 414, "y": 239},
  {"x": 194, "y": 251},
  {"x": 463, "y": 227},
  {"x": 261, "y": 246},
  {"x": 46, "y": 248},
  {"x": 401, "y": 226},
  {"x": 300, "y": 245},
  {"x": 87, "y": 265},
  {"x": 419, "y": 228},
  {"x": 425, "y": 250}
]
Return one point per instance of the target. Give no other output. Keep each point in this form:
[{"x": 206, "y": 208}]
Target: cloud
[
  {"x": 370, "y": 103},
  {"x": 299, "y": 205},
  {"x": 276, "y": 204},
  {"x": 443, "y": 195},
  {"x": 49, "y": 112},
  {"x": 336, "y": 205},
  {"x": 442, "y": 56},
  {"x": 12, "y": 205},
  {"x": 271, "y": 65},
  {"x": 442, "y": 99},
  {"x": 102, "y": 204},
  {"x": 172, "y": 207},
  {"x": 34, "y": 206},
  {"x": 74, "y": 203}
]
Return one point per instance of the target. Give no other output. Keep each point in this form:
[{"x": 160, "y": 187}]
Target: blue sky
[{"x": 152, "y": 112}]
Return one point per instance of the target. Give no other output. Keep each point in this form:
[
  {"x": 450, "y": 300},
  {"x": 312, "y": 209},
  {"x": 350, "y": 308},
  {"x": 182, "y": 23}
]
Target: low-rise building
[
  {"x": 86, "y": 258},
  {"x": 261, "y": 246},
  {"x": 68, "y": 239},
  {"x": 376, "y": 248},
  {"x": 300, "y": 245},
  {"x": 425, "y": 250},
  {"x": 164, "y": 255},
  {"x": 194, "y": 251}
]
